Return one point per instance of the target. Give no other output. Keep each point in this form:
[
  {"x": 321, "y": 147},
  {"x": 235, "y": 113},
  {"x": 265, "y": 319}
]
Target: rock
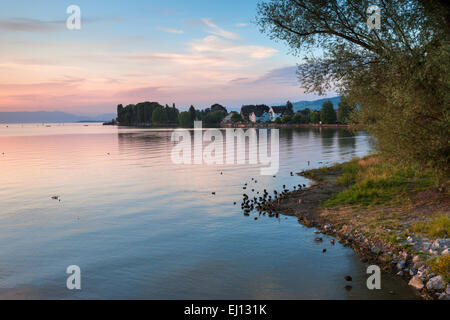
[
  {"x": 445, "y": 252},
  {"x": 436, "y": 244},
  {"x": 416, "y": 283},
  {"x": 410, "y": 239},
  {"x": 327, "y": 227},
  {"x": 404, "y": 255},
  {"x": 348, "y": 278},
  {"x": 448, "y": 289},
  {"x": 444, "y": 296},
  {"x": 419, "y": 264},
  {"x": 435, "y": 283},
  {"x": 412, "y": 272},
  {"x": 400, "y": 273},
  {"x": 421, "y": 275},
  {"x": 416, "y": 259},
  {"x": 440, "y": 244},
  {"x": 318, "y": 239},
  {"x": 401, "y": 265}
]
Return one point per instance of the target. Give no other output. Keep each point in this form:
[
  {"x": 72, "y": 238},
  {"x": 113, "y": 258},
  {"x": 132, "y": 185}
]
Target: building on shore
[
  {"x": 227, "y": 119},
  {"x": 259, "y": 115},
  {"x": 278, "y": 112},
  {"x": 247, "y": 110}
]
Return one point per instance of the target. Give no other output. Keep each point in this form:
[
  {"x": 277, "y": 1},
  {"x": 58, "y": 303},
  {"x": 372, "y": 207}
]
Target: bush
[
  {"x": 286, "y": 119},
  {"x": 236, "y": 117},
  {"x": 441, "y": 265}
]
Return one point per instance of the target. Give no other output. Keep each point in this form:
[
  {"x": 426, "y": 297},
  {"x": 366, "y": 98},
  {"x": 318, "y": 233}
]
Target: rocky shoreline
[{"x": 399, "y": 258}]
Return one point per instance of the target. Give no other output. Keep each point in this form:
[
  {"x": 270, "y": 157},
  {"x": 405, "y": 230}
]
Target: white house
[
  {"x": 277, "y": 112},
  {"x": 259, "y": 116}
]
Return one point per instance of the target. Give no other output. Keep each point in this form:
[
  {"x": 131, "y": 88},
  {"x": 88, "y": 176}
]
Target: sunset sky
[{"x": 188, "y": 52}]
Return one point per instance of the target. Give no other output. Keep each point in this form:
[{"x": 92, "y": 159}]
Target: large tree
[
  {"x": 345, "y": 111},
  {"x": 327, "y": 113},
  {"x": 399, "y": 75}
]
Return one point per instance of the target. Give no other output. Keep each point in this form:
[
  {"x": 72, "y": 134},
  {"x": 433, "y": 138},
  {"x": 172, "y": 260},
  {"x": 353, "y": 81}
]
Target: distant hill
[
  {"x": 50, "y": 117},
  {"x": 315, "y": 104}
]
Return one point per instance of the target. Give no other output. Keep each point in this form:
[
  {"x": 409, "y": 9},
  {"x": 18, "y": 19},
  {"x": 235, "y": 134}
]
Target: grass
[
  {"x": 441, "y": 265},
  {"x": 317, "y": 174},
  {"x": 373, "y": 180},
  {"x": 438, "y": 227},
  {"x": 390, "y": 201}
]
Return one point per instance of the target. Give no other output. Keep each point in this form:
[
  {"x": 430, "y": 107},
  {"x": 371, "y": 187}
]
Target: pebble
[
  {"x": 401, "y": 265},
  {"x": 416, "y": 283},
  {"x": 435, "y": 283}
]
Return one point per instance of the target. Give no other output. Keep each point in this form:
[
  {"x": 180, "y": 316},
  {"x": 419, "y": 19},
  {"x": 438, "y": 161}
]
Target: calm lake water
[{"x": 141, "y": 227}]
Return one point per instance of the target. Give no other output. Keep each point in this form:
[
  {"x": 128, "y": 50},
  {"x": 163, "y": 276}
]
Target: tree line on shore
[{"x": 152, "y": 113}]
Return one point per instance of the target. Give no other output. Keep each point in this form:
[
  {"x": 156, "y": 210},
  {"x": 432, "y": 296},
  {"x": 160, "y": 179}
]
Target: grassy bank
[{"x": 389, "y": 212}]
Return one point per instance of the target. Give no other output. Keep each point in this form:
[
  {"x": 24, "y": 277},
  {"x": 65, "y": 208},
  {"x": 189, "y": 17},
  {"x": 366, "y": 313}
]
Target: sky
[{"x": 196, "y": 52}]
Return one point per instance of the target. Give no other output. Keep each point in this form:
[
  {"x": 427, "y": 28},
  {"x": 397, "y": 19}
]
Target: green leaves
[{"x": 399, "y": 76}]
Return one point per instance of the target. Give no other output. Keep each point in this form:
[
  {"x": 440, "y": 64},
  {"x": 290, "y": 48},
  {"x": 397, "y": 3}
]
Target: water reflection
[{"x": 140, "y": 226}]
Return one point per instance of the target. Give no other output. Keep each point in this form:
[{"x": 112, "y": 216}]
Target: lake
[{"x": 141, "y": 227}]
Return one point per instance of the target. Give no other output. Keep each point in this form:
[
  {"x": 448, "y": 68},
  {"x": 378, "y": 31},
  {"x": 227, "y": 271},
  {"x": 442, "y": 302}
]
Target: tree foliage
[
  {"x": 398, "y": 76},
  {"x": 327, "y": 113},
  {"x": 184, "y": 119},
  {"x": 160, "y": 116},
  {"x": 236, "y": 117},
  {"x": 345, "y": 111}
]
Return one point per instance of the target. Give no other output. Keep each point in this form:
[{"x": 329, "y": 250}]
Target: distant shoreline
[
  {"x": 243, "y": 126},
  {"x": 282, "y": 125}
]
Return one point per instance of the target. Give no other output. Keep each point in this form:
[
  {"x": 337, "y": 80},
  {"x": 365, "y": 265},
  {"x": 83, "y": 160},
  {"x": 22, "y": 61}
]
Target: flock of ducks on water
[{"x": 264, "y": 204}]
